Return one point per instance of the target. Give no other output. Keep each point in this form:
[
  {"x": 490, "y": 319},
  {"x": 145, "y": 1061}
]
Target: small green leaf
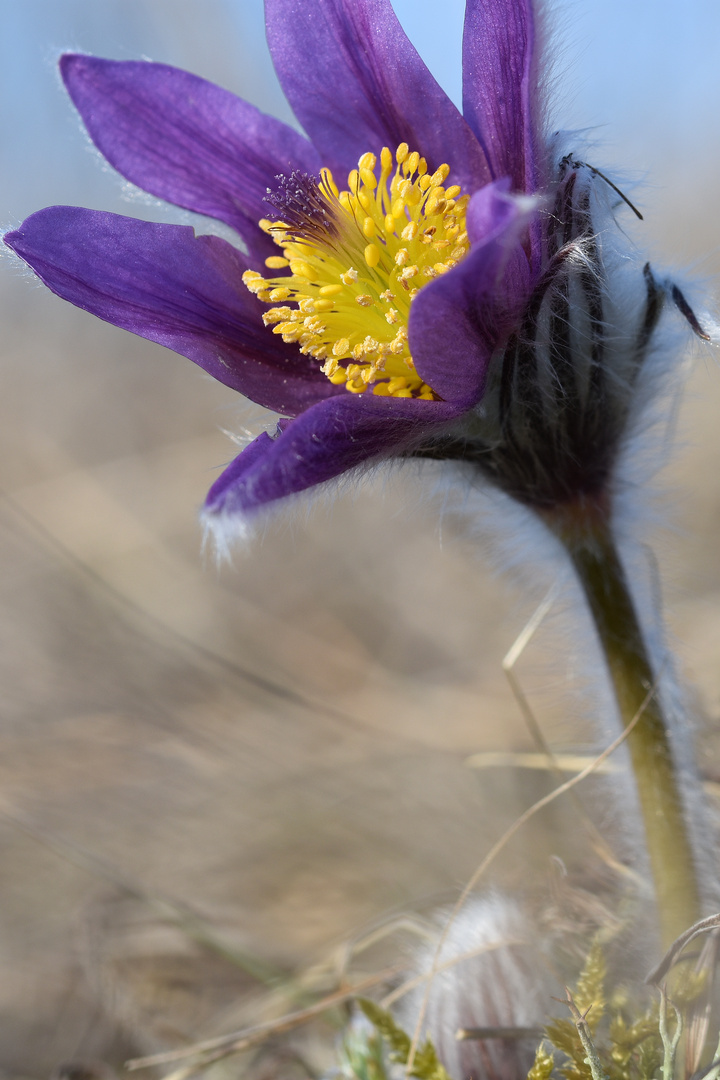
[{"x": 426, "y": 1065}]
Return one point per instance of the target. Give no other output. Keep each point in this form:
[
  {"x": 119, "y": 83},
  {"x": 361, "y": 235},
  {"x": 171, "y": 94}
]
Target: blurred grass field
[{"x": 275, "y": 748}]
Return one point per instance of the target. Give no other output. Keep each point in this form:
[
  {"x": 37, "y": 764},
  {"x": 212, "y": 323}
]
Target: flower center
[{"x": 356, "y": 260}]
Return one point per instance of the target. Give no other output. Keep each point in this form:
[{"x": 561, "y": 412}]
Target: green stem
[{"x": 596, "y": 561}]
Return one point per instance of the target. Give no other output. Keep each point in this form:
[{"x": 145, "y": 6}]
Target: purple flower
[{"x": 450, "y": 302}]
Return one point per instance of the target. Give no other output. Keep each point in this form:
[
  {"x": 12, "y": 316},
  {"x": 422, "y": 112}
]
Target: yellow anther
[
  {"x": 276, "y": 262},
  {"x": 330, "y": 367},
  {"x": 307, "y": 304},
  {"x": 398, "y": 208},
  {"x": 410, "y": 231},
  {"x": 276, "y": 315},
  {"x": 453, "y": 192},
  {"x": 425, "y": 182},
  {"x": 354, "y": 371},
  {"x": 368, "y": 228},
  {"x": 413, "y": 196},
  {"x": 458, "y": 253},
  {"x": 441, "y": 174},
  {"x": 441, "y": 268},
  {"x": 372, "y": 255},
  {"x": 284, "y": 328},
  {"x": 314, "y": 324},
  {"x": 408, "y": 272},
  {"x": 381, "y": 389},
  {"x": 302, "y": 269},
  {"x": 355, "y": 387},
  {"x": 391, "y": 316},
  {"x": 389, "y": 223},
  {"x": 367, "y": 161},
  {"x": 324, "y": 305},
  {"x": 341, "y": 347},
  {"x": 402, "y": 152},
  {"x": 254, "y": 282},
  {"x": 364, "y": 199},
  {"x": 349, "y": 277},
  {"x": 266, "y": 225},
  {"x": 364, "y": 300},
  {"x": 402, "y": 257},
  {"x": 386, "y": 159},
  {"x": 387, "y": 295},
  {"x": 368, "y": 178},
  {"x": 396, "y": 384},
  {"x": 411, "y": 163},
  {"x": 345, "y": 201},
  {"x": 318, "y": 351},
  {"x": 338, "y": 377},
  {"x": 353, "y": 178},
  {"x": 331, "y": 290},
  {"x": 279, "y": 294}
]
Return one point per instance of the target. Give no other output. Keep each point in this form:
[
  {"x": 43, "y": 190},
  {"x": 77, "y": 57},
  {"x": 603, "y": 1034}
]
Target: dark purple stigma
[{"x": 299, "y": 203}]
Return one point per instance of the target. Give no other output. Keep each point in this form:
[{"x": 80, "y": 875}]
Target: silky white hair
[{"x": 490, "y": 973}]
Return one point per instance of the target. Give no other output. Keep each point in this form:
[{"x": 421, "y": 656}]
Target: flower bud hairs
[{"x": 414, "y": 282}]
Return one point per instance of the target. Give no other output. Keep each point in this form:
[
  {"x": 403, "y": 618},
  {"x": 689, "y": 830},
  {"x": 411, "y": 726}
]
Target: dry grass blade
[
  {"x": 482, "y": 1033},
  {"x": 212, "y": 1050},
  {"x": 704, "y": 926},
  {"x": 418, "y": 980},
  {"x": 556, "y": 763},
  {"x": 564, "y": 763},
  {"x": 501, "y": 843}
]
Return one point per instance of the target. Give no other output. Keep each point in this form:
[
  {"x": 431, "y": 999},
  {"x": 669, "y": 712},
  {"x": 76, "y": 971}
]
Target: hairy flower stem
[{"x": 592, "y": 550}]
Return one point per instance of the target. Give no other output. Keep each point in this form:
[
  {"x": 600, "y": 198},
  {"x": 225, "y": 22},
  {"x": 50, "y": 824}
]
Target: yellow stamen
[{"x": 348, "y": 260}]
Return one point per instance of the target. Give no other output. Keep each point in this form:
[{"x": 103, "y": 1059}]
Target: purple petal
[
  {"x": 185, "y": 140},
  {"x": 321, "y": 444},
  {"x": 165, "y": 284},
  {"x": 457, "y": 320},
  {"x": 500, "y": 87},
  {"x": 356, "y": 84}
]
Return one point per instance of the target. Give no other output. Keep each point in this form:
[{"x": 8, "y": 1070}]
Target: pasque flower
[{"x": 414, "y": 281}]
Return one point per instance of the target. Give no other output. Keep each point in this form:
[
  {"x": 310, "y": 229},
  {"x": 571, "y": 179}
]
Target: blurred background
[{"x": 211, "y": 777}]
